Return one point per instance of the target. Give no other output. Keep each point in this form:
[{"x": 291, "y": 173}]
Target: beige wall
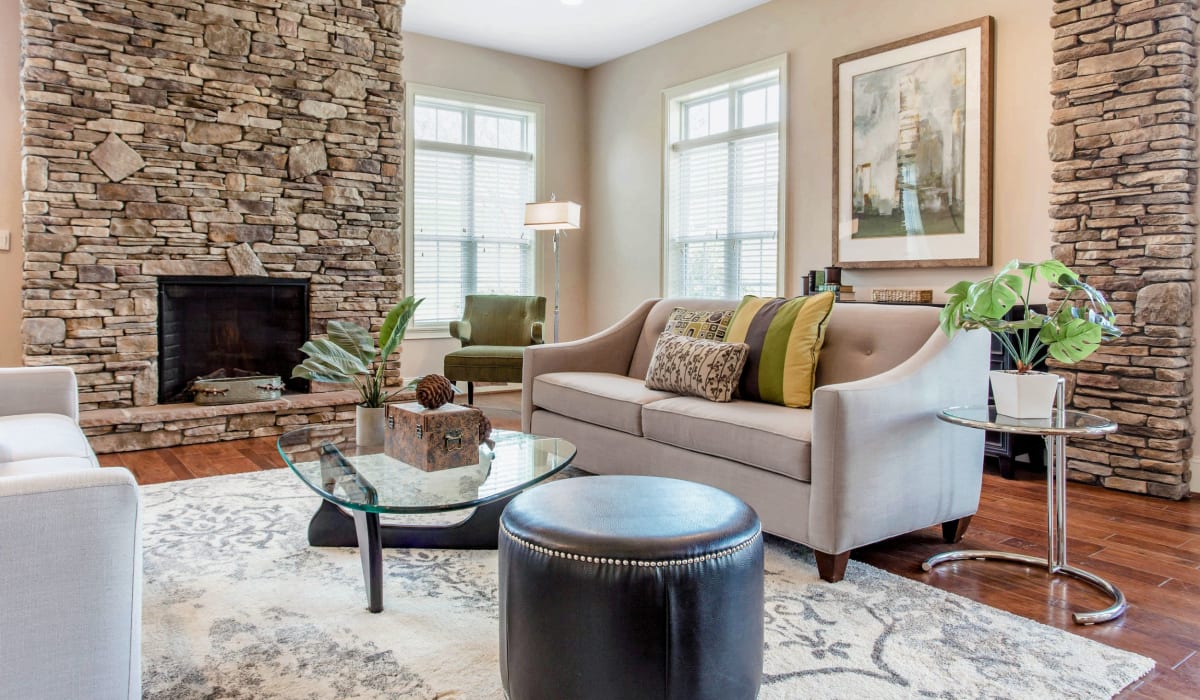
[
  {"x": 625, "y": 140},
  {"x": 449, "y": 64},
  {"x": 10, "y": 184}
]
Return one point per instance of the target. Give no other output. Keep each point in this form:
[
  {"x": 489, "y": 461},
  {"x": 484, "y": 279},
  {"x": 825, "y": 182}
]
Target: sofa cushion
[
  {"x": 40, "y": 435},
  {"x": 709, "y": 369},
  {"x": 486, "y": 356},
  {"x": 785, "y": 337},
  {"x": 484, "y": 363},
  {"x": 776, "y": 438},
  {"x": 611, "y": 400}
]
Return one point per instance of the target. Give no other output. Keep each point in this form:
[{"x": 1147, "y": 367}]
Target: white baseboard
[{"x": 490, "y": 388}]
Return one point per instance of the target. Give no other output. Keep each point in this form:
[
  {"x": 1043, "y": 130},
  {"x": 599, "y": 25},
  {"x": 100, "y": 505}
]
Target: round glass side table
[{"x": 1055, "y": 430}]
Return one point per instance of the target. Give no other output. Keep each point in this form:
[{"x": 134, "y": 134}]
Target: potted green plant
[
  {"x": 349, "y": 355},
  {"x": 1071, "y": 333}
]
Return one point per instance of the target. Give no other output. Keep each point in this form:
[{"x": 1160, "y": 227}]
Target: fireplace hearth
[{"x": 229, "y": 326}]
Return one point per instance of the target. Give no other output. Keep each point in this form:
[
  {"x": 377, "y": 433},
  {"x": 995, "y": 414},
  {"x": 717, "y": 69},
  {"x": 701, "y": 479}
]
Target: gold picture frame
[{"x": 912, "y": 151}]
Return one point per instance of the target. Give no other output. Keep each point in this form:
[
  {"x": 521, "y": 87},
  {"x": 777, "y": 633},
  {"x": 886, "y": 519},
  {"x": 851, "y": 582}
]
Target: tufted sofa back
[{"x": 862, "y": 340}]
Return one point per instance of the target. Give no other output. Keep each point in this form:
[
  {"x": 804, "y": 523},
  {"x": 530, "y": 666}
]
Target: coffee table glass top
[
  {"x": 1075, "y": 423},
  {"x": 327, "y": 459}
]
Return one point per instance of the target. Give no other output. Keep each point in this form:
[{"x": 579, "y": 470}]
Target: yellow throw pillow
[{"x": 785, "y": 338}]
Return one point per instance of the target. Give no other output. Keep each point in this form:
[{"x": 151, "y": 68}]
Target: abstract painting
[{"x": 912, "y": 151}]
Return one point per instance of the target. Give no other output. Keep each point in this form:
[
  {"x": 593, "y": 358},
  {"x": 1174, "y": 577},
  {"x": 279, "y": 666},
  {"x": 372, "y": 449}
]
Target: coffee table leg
[{"x": 370, "y": 550}]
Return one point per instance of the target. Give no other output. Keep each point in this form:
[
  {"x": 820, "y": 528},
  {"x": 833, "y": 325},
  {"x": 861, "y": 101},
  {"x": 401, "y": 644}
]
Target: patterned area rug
[{"x": 237, "y": 605}]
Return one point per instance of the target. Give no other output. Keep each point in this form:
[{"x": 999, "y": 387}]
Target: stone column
[{"x": 1123, "y": 143}]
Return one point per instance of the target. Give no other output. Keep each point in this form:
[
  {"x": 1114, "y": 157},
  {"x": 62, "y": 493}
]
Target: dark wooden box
[{"x": 431, "y": 440}]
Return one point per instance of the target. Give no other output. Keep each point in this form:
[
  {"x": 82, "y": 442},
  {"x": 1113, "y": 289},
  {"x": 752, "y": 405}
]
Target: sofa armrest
[
  {"x": 462, "y": 331},
  {"x": 610, "y": 350},
  {"x": 39, "y": 390},
  {"x": 882, "y": 462},
  {"x": 71, "y": 585}
]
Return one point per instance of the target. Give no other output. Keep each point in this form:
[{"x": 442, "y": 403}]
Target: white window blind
[
  {"x": 723, "y": 190},
  {"x": 474, "y": 168}
]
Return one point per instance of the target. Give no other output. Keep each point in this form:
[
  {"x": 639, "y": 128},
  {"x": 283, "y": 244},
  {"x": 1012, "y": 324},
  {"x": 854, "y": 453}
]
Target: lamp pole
[
  {"x": 553, "y": 216},
  {"x": 557, "y": 233}
]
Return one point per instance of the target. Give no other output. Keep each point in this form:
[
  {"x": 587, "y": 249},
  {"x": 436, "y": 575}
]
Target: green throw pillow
[{"x": 785, "y": 338}]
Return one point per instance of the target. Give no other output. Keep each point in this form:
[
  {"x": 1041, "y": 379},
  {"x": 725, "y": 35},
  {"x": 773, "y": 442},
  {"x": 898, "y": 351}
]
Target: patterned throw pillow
[
  {"x": 785, "y": 338},
  {"x": 693, "y": 367},
  {"x": 707, "y": 325}
]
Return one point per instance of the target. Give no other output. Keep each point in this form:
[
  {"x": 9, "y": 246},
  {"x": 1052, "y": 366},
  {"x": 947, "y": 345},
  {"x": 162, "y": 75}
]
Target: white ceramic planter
[
  {"x": 370, "y": 425},
  {"x": 1029, "y": 395}
]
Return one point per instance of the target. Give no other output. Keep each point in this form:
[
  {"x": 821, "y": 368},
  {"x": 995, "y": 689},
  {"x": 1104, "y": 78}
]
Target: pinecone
[
  {"x": 485, "y": 430},
  {"x": 434, "y": 390}
]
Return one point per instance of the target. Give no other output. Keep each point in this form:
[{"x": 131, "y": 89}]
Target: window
[
  {"x": 724, "y": 184},
  {"x": 474, "y": 165}
]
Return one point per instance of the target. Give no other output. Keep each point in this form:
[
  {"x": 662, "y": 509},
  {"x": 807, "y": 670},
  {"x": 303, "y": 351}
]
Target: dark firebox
[{"x": 228, "y": 326}]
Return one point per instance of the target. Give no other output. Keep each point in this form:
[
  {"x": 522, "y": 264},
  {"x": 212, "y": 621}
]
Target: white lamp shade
[{"x": 550, "y": 216}]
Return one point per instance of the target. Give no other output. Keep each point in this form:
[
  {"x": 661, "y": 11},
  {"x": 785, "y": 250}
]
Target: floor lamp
[{"x": 553, "y": 216}]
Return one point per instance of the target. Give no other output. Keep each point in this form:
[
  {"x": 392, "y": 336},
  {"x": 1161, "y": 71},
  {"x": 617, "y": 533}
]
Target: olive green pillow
[{"x": 785, "y": 338}]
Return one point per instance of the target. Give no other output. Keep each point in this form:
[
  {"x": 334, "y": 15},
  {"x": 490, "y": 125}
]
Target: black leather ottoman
[{"x": 637, "y": 587}]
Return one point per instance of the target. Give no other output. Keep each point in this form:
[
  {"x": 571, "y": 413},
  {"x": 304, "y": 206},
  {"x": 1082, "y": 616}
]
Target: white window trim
[
  {"x": 412, "y": 91},
  {"x": 676, "y": 94}
]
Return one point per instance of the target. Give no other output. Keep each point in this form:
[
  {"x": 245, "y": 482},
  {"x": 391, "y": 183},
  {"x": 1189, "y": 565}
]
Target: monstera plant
[
  {"x": 350, "y": 355},
  {"x": 1069, "y": 334}
]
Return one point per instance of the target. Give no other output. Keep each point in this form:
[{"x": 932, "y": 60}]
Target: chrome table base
[
  {"x": 1082, "y": 618},
  {"x": 1056, "y": 529}
]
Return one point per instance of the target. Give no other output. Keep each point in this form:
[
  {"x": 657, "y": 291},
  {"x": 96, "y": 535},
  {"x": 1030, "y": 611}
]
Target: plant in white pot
[
  {"x": 349, "y": 355},
  {"x": 1074, "y": 331}
]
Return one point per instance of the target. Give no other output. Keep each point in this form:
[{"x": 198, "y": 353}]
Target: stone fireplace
[
  {"x": 214, "y": 139},
  {"x": 231, "y": 326}
]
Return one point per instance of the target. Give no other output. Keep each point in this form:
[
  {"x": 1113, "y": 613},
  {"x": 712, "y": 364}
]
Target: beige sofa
[
  {"x": 70, "y": 547},
  {"x": 867, "y": 462}
]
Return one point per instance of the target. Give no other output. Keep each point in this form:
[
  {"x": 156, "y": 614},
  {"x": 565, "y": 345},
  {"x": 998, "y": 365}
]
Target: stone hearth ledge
[{"x": 112, "y": 430}]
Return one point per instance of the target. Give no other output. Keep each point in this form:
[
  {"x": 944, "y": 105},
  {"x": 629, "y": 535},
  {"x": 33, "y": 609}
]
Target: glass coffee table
[{"x": 358, "y": 484}]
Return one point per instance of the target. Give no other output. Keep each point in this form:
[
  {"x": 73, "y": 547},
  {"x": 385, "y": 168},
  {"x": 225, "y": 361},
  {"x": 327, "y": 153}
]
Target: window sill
[{"x": 431, "y": 333}]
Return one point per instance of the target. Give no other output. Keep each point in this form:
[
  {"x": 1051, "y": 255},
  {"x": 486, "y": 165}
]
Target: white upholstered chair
[{"x": 70, "y": 550}]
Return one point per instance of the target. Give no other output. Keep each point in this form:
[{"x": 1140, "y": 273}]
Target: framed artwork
[{"x": 912, "y": 151}]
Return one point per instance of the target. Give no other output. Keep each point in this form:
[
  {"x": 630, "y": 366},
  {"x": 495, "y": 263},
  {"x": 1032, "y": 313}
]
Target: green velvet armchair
[{"x": 495, "y": 331}]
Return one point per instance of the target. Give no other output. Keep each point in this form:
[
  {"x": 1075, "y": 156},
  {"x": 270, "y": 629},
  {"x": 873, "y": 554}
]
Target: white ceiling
[{"x": 583, "y": 35}]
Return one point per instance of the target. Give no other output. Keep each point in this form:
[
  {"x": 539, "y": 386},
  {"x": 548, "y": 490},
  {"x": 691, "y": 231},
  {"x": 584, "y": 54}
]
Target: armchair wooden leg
[
  {"x": 953, "y": 530},
  {"x": 470, "y": 393},
  {"x": 832, "y": 567}
]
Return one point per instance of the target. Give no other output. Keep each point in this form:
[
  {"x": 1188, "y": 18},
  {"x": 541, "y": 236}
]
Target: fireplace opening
[{"x": 228, "y": 326}]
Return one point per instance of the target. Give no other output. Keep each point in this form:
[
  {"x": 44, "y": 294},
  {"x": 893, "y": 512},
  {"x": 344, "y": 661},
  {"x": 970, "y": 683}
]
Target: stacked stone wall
[
  {"x": 1124, "y": 151},
  {"x": 202, "y": 137}
]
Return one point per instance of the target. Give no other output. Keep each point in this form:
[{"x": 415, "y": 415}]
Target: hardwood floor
[{"x": 1148, "y": 547}]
